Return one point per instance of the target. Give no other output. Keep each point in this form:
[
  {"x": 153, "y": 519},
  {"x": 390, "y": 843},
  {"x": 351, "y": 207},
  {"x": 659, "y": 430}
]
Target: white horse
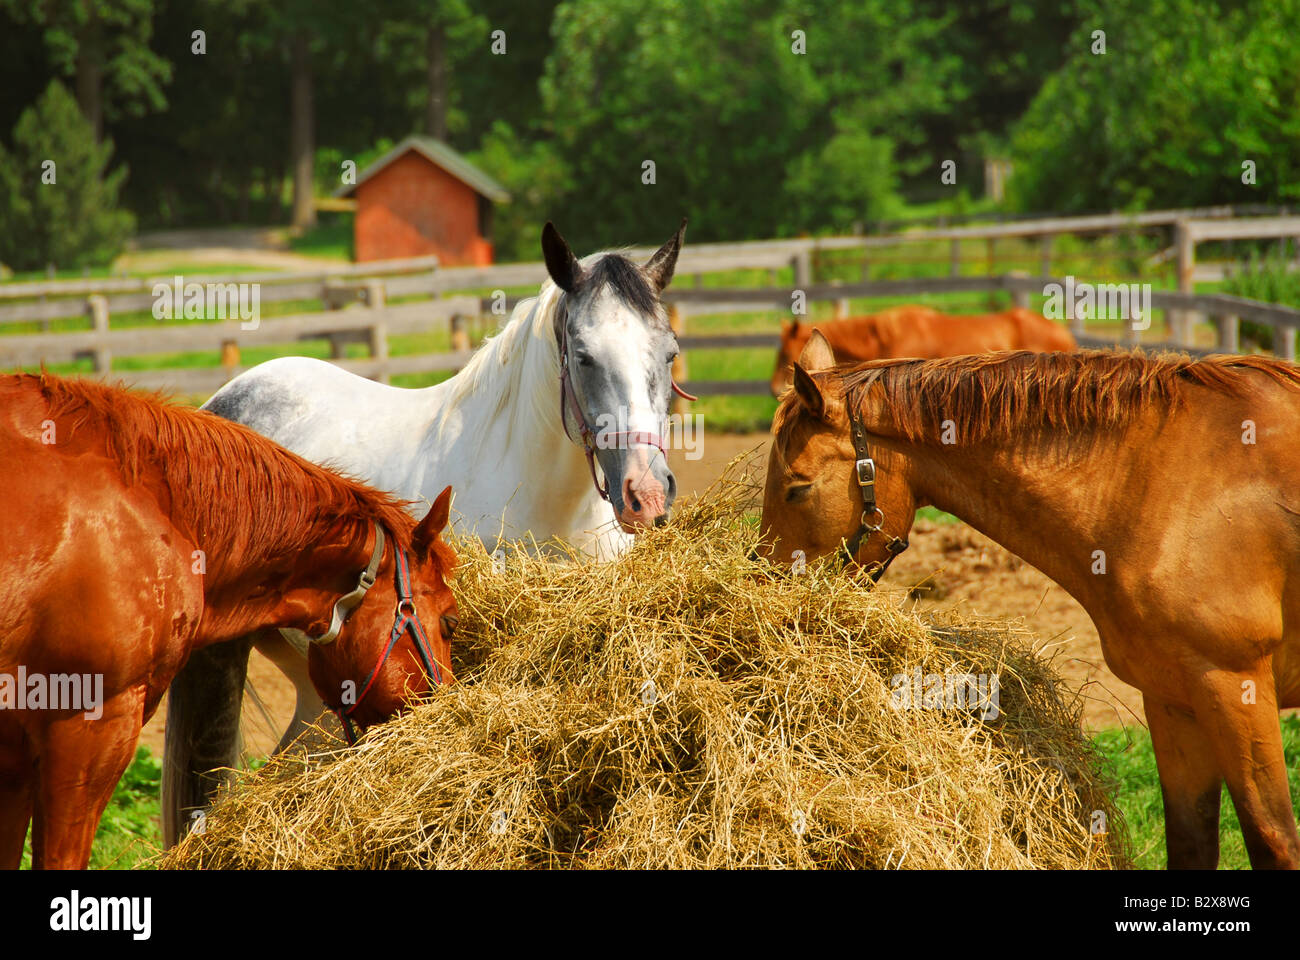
[{"x": 512, "y": 434}]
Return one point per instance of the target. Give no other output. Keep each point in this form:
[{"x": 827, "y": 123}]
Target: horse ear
[
  {"x": 659, "y": 268},
  {"x": 561, "y": 264},
  {"x": 817, "y": 353},
  {"x": 810, "y": 395},
  {"x": 434, "y": 522}
]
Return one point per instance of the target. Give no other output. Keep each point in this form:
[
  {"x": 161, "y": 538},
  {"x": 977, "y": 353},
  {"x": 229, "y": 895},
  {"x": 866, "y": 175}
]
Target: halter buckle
[{"x": 866, "y": 472}]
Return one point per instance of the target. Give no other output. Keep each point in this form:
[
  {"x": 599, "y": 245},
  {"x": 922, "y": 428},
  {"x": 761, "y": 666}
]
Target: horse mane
[
  {"x": 521, "y": 364},
  {"x": 247, "y": 498},
  {"x": 993, "y": 393}
]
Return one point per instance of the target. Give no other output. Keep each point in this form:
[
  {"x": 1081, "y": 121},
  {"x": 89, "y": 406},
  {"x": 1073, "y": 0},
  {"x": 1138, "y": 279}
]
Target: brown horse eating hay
[
  {"x": 1162, "y": 493},
  {"x": 136, "y": 532},
  {"x": 913, "y": 331}
]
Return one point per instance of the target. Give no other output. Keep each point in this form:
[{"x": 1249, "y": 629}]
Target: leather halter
[
  {"x": 873, "y": 518},
  {"x": 589, "y": 440},
  {"x": 405, "y": 619}
]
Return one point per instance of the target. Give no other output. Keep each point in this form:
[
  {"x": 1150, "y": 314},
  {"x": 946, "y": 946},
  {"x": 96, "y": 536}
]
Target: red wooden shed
[{"x": 421, "y": 198}]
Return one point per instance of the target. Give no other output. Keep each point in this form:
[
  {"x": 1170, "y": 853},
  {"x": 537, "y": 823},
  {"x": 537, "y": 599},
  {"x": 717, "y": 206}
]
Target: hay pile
[{"x": 669, "y": 710}]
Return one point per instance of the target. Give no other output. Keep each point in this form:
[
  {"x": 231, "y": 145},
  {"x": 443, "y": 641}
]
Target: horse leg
[
  {"x": 290, "y": 655},
  {"x": 1190, "y": 785},
  {"x": 80, "y": 762},
  {"x": 16, "y": 776},
  {"x": 202, "y": 733},
  {"x": 15, "y": 814},
  {"x": 1247, "y": 741}
]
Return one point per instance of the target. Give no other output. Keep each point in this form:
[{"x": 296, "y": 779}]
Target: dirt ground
[{"x": 953, "y": 567}]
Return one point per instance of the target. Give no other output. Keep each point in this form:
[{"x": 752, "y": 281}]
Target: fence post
[
  {"x": 1019, "y": 295},
  {"x": 802, "y": 270},
  {"x": 229, "y": 357},
  {"x": 679, "y": 362},
  {"x": 990, "y": 258},
  {"x": 97, "y": 306},
  {"x": 1045, "y": 254},
  {"x": 1284, "y": 342},
  {"x": 1181, "y": 321},
  {"x": 954, "y": 259},
  {"x": 333, "y": 297},
  {"x": 376, "y": 295},
  {"x": 1229, "y": 327},
  {"x": 459, "y": 333},
  {"x": 841, "y": 308},
  {"x": 1131, "y": 336}
]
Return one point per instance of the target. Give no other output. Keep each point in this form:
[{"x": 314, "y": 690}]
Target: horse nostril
[
  {"x": 636, "y": 505},
  {"x": 661, "y": 520},
  {"x": 672, "y": 486}
]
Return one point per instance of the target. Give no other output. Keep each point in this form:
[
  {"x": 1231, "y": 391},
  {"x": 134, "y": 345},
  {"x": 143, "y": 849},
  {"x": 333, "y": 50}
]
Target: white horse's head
[{"x": 616, "y": 356}]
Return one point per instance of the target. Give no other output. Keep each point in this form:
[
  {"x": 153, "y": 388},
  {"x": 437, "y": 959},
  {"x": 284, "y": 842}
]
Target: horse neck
[
  {"x": 510, "y": 398},
  {"x": 230, "y": 612},
  {"x": 1050, "y": 502}
]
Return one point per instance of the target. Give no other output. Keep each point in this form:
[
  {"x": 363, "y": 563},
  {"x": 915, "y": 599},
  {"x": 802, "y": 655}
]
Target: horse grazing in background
[
  {"x": 136, "y": 533},
  {"x": 578, "y": 380},
  {"x": 1162, "y": 493},
  {"x": 921, "y": 332}
]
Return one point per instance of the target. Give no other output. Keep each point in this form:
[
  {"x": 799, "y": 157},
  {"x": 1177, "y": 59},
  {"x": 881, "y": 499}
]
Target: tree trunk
[
  {"x": 301, "y": 131},
  {"x": 435, "y": 115},
  {"x": 90, "y": 75}
]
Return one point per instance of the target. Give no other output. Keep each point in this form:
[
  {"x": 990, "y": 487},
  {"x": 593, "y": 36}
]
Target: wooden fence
[
  {"x": 358, "y": 305},
  {"x": 372, "y": 320}
]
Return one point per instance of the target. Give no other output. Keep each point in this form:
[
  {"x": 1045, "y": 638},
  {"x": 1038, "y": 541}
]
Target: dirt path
[{"x": 260, "y": 247}]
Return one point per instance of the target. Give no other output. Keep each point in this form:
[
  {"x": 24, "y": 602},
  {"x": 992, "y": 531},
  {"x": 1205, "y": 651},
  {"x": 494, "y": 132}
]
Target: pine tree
[{"x": 58, "y": 201}]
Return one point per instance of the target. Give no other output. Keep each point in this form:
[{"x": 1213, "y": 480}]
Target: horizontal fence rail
[
  {"x": 369, "y": 320},
  {"x": 357, "y": 307}
]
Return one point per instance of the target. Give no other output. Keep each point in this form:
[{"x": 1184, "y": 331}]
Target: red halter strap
[{"x": 405, "y": 620}]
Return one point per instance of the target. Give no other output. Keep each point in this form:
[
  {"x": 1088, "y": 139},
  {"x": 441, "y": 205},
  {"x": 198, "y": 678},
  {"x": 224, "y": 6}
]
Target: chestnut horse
[
  {"x": 137, "y": 532},
  {"x": 1162, "y": 493},
  {"x": 913, "y": 331}
]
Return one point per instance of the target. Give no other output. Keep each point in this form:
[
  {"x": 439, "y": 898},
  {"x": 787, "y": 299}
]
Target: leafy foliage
[
  {"x": 73, "y": 220},
  {"x": 1186, "y": 92}
]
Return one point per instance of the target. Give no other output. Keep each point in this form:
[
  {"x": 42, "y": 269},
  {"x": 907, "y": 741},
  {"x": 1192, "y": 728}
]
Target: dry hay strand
[{"x": 679, "y": 708}]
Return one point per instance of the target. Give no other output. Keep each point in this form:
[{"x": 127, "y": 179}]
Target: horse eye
[
  {"x": 798, "y": 493},
  {"x": 448, "y": 622},
  {"x": 584, "y": 359},
  {"x": 672, "y": 356}
]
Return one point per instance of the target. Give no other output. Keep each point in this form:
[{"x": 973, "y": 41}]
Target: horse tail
[{"x": 203, "y": 706}]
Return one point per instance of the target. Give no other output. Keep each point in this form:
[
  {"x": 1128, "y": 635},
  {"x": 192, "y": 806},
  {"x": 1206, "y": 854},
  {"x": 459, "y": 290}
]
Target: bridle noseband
[
  {"x": 405, "y": 619},
  {"x": 588, "y": 439},
  {"x": 873, "y": 518}
]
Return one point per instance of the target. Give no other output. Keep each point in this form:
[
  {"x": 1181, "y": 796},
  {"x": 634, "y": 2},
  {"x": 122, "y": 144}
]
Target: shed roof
[{"x": 440, "y": 155}]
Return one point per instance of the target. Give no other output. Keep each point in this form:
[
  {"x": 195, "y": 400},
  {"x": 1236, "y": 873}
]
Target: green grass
[
  {"x": 331, "y": 237},
  {"x": 1129, "y": 752}
]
